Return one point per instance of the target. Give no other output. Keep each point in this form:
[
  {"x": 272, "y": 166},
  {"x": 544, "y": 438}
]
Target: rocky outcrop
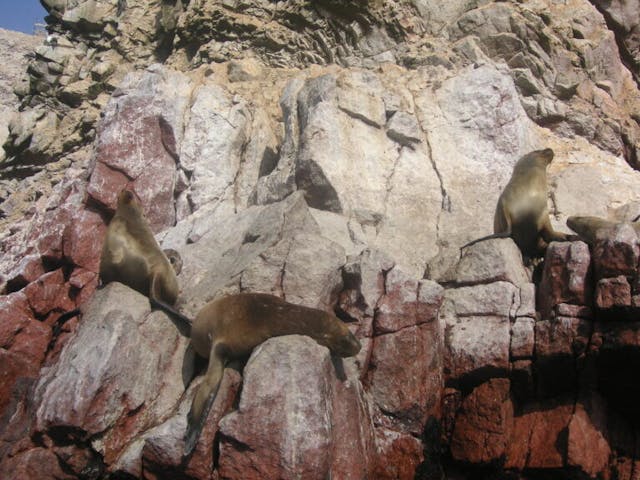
[
  {"x": 336, "y": 155},
  {"x": 15, "y": 47}
]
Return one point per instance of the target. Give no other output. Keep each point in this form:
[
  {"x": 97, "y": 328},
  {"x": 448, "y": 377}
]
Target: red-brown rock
[
  {"x": 587, "y": 447},
  {"x": 28, "y": 270},
  {"x": 613, "y": 292},
  {"x": 83, "y": 240},
  {"x": 137, "y": 159},
  {"x": 12, "y": 367},
  {"x": 483, "y": 425},
  {"x": 38, "y": 463},
  {"x": 405, "y": 375},
  {"x": 284, "y": 425},
  {"x": 537, "y": 440},
  {"x": 617, "y": 254},
  {"x": 398, "y": 457},
  {"x": 48, "y": 293},
  {"x": 406, "y": 302},
  {"x": 565, "y": 276}
]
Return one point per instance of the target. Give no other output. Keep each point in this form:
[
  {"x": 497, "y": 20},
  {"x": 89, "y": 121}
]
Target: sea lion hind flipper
[
  {"x": 185, "y": 322},
  {"x": 488, "y": 237},
  {"x": 203, "y": 399}
]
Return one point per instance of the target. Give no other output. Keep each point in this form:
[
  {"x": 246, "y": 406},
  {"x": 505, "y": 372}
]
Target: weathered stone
[
  {"x": 49, "y": 292},
  {"x": 406, "y": 302},
  {"x": 565, "y": 276},
  {"x": 613, "y": 292},
  {"x": 404, "y": 129},
  {"x": 491, "y": 261},
  {"x": 398, "y": 455},
  {"x": 617, "y": 254},
  {"x": 483, "y": 425},
  {"x": 83, "y": 240},
  {"x": 397, "y": 380},
  {"x": 537, "y": 440},
  {"x": 283, "y": 425},
  {"x": 522, "y": 338},
  {"x": 35, "y": 463},
  {"x": 587, "y": 447},
  {"x": 475, "y": 345},
  {"x": 116, "y": 326}
]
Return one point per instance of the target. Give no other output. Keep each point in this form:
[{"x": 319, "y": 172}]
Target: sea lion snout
[{"x": 347, "y": 345}]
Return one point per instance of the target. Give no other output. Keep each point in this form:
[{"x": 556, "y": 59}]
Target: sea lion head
[
  {"x": 174, "y": 259},
  {"x": 128, "y": 201},
  {"x": 340, "y": 340},
  {"x": 543, "y": 157}
]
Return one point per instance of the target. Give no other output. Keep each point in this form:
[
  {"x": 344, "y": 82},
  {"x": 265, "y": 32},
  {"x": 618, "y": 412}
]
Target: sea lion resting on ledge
[
  {"x": 591, "y": 229},
  {"x": 231, "y": 327},
  {"x": 522, "y": 212}
]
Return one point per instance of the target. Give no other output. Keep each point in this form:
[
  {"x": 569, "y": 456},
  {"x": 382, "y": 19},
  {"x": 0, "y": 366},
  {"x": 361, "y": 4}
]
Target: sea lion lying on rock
[{"x": 230, "y": 328}]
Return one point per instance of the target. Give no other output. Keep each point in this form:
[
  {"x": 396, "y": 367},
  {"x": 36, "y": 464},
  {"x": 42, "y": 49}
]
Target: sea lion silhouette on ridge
[{"x": 230, "y": 328}]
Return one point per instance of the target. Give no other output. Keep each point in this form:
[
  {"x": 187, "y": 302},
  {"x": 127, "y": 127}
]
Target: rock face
[
  {"x": 14, "y": 46},
  {"x": 338, "y": 155}
]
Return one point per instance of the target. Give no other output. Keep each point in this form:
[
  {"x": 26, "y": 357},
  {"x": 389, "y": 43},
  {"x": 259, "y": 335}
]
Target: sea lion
[
  {"x": 231, "y": 327},
  {"x": 591, "y": 229},
  {"x": 131, "y": 255},
  {"x": 522, "y": 212}
]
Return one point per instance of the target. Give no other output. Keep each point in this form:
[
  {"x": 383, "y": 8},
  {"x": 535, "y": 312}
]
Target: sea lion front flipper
[
  {"x": 205, "y": 395},
  {"x": 550, "y": 235}
]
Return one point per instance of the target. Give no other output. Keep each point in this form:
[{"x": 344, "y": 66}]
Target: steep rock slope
[{"x": 337, "y": 154}]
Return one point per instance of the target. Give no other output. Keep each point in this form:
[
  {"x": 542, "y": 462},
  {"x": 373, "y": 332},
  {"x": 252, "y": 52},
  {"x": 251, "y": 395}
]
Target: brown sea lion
[
  {"x": 131, "y": 255},
  {"x": 591, "y": 229},
  {"x": 522, "y": 212},
  {"x": 231, "y": 327}
]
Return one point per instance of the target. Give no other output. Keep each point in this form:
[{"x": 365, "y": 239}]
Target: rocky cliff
[{"x": 337, "y": 154}]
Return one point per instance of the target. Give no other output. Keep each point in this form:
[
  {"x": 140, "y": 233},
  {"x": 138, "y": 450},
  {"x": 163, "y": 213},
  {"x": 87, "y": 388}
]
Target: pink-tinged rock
[
  {"x": 12, "y": 367},
  {"x": 48, "y": 293},
  {"x": 483, "y": 425},
  {"x": 406, "y": 302},
  {"x": 405, "y": 376},
  {"x": 106, "y": 183},
  {"x": 587, "y": 447},
  {"x": 562, "y": 336},
  {"x": 364, "y": 282},
  {"x": 201, "y": 462},
  {"x": 618, "y": 253},
  {"x": 522, "y": 338},
  {"x": 399, "y": 455},
  {"x": 476, "y": 343},
  {"x": 130, "y": 153},
  {"x": 29, "y": 269},
  {"x": 538, "y": 439},
  {"x": 38, "y": 463},
  {"x": 491, "y": 261},
  {"x": 48, "y": 233},
  {"x": 15, "y": 312},
  {"x": 163, "y": 447},
  {"x": 500, "y": 299},
  {"x": 83, "y": 240},
  {"x": 285, "y": 423},
  {"x": 119, "y": 375},
  {"x": 565, "y": 276},
  {"x": 84, "y": 282},
  {"x": 613, "y": 292},
  {"x": 568, "y": 310}
]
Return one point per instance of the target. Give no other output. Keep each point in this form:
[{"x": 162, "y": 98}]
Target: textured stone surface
[
  {"x": 337, "y": 156},
  {"x": 564, "y": 279},
  {"x": 283, "y": 425}
]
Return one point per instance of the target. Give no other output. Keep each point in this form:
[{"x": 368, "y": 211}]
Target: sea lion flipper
[
  {"x": 205, "y": 395},
  {"x": 488, "y": 237}
]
